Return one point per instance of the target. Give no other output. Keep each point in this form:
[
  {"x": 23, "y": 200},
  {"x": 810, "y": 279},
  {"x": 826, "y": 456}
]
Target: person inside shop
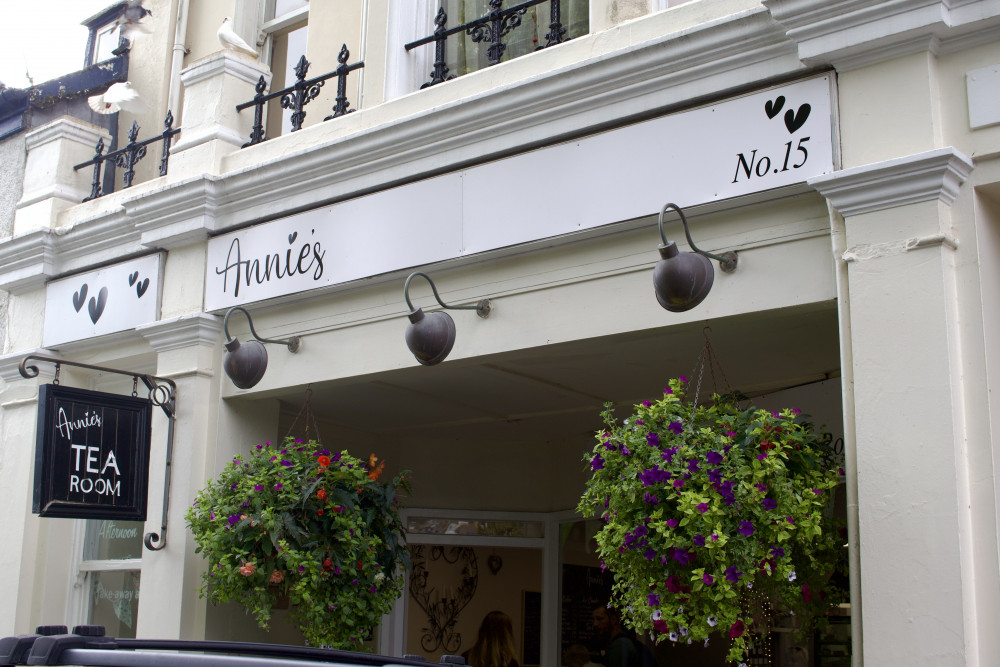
[
  {"x": 621, "y": 649},
  {"x": 494, "y": 645}
]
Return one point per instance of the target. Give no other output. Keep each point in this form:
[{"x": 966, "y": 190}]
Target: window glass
[
  {"x": 287, "y": 47},
  {"x": 112, "y": 540},
  {"x": 285, "y": 6},
  {"x": 465, "y": 55},
  {"x": 114, "y": 601},
  {"x": 108, "y": 39},
  {"x": 435, "y": 526},
  {"x": 585, "y": 586}
]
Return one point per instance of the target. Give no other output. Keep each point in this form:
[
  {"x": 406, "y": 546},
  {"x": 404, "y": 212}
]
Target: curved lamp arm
[
  {"x": 727, "y": 260},
  {"x": 482, "y": 308},
  {"x": 292, "y": 343}
]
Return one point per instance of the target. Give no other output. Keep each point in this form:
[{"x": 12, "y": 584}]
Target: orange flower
[
  {"x": 321, "y": 494},
  {"x": 319, "y": 512},
  {"x": 374, "y": 472},
  {"x": 247, "y": 569},
  {"x": 277, "y": 577},
  {"x": 323, "y": 461}
]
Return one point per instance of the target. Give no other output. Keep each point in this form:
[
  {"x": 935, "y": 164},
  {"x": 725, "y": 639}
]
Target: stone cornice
[
  {"x": 224, "y": 62},
  {"x": 178, "y": 214},
  {"x": 27, "y": 261},
  {"x": 855, "y": 33},
  {"x": 933, "y": 175},
  {"x": 65, "y": 127},
  {"x": 183, "y": 331}
]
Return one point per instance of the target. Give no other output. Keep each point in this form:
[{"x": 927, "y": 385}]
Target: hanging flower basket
[
  {"x": 296, "y": 522},
  {"x": 705, "y": 506}
]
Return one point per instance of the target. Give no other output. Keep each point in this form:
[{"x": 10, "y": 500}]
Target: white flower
[
  {"x": 706, "y": 642},
  {"x": 657, "y": 615},
  {"x": 791, "y": 577},
  {"x": 689, "y": 640},
  {"x": 743, "y": 664},
  {"x": 673, "y": 636},
  {"x": 680, "y": 610},
  {"x": 712, "y": 621},
  {"x": 750, "y": 585},
  {"x": 684, "y": 631}
]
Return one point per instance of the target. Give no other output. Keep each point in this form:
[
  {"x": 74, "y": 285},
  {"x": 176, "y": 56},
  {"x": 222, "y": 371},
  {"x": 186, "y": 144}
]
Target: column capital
[{"x": 936, "y": 174}]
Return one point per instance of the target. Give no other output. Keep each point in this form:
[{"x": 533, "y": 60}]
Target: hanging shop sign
[
  {"x": 91, "y": 454},
  {"x": 761, "y": 141},
  {"x": 112, "y": 299}
]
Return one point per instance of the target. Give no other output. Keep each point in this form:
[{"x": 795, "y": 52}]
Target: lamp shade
[
  {"x": 681, "y": 280},
  {"x": 430, "y": 336},
  {"x": 244, "y": 363}
]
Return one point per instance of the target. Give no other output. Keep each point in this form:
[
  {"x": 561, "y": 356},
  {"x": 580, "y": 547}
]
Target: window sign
[
  {"x": 114, "y": 601},
  {"x": 108, "y": 539},
  {"x": 91, "y": 455}
]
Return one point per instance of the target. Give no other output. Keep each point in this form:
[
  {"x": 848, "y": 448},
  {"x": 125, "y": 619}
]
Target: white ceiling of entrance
[{"x": 550, "y": 393}]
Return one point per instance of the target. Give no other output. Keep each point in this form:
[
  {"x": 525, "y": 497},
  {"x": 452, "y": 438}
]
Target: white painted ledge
[
  {"x": 10, "y": 363},
  {"x": 936, "y": 174},
  {"x": 184, "y": 331}
]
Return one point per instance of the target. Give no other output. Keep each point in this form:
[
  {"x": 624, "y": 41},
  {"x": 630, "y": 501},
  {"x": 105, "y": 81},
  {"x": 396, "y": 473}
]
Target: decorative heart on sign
[
  {"x": 141, "y": 288},
  {"x": 96, "y": 306},
  {"x": 772, "y": 109},
  {"x": 494, "y": 562},
  {"x": 796, "y": 119},
  {"x": 80, "y": 297},
  {"x": 292, "y": 237},
  {"x": 132, "y": 278}
]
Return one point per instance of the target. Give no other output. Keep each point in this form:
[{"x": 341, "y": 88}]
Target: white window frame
[{"x": 392, "y": 635}]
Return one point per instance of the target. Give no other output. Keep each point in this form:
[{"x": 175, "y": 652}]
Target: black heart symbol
[
  {"x": 292, "y": 237},
  {"x": 772, "y": 109},
  {"x": 96, "y": 306},
  {"x": 132, "y": 278},
  {"x": 80, "y": 298},
  {"x": 494, "y": 562},
  {"x": 141, "y": 288},
  {"x": 794, "y": 121}
]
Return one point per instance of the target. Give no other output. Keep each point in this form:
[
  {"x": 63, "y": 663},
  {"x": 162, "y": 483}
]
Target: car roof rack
[{"x": 87, "y": 645}]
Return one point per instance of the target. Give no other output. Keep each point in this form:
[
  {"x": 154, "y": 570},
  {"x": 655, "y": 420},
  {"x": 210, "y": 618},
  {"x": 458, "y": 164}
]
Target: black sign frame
[{"x": 105, "y": 473}]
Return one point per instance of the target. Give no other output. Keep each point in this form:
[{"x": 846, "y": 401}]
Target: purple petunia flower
[
  {"x": 235, "y": 484},
  {"x": 777, "y": 552},
  {"x": 278, "y": 486},
  {"x": 668, "y": 454},
  {"x": 762, "y": 456},
  {"x": 708, "y": 579},
  {"x": 683, "y": 378},
  {"x": 714, "y": 458},
  {"x": 714, "y": 537},
  {"x": 233, "y": 519},
  {"x": 650, "y": 499},
  {"x": 258, "y": 487},
  {"x": 702, "y": 507},
  {"x": 668, "y": 390},
  {"x": 693, "y": 466},
  {"x": 649, "y": 553},
  {"x": 715, "y": 476},
  {"x": 746, "y": 528},
  {"x": 652, "y": 439},
  {"x": 762, "y": 488},
  {"x": 769, "y": 503},
  {"x": 646, "y": 404},
  {"x": 654, "y": 600},
  {"x": 597, "y": 463},
  {"x": 817, "y": 492},
  {"x": 672, "y": 523},
  {"x": 789, "y": 519},
  {"x": 699, "y": 540},
  {"x": 676, "y": 427},
  {"x": 733, "y": 574},
  {"x": 285, "y": 463},
  {"x": 678, "y": 483}
]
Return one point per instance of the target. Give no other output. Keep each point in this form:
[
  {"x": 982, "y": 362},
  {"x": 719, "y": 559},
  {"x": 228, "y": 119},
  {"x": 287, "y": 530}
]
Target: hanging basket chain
[
  {"x": 708, "y": 357},
  {"x": 310, "y": 418}
]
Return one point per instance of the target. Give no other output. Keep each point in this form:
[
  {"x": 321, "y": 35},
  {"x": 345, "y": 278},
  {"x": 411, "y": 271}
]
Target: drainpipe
[
  {"x": 177, "y": 60},
  {"x": 838, "y": 235}
]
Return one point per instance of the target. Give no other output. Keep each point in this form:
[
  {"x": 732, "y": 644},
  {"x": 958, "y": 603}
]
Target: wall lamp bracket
[
  {"x": 682, "y": 280},
  {"x": 430, "y": 336},
  {"x": 245, "y": 363}
]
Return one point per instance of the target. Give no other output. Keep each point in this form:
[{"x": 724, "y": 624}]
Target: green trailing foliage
[{"x": 295, "y": 521}]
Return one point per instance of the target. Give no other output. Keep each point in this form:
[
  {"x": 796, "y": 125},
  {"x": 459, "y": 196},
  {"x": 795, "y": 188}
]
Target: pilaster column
[
  {"x": 188, "y": 352},
  {"x": 919, "y": 579},
  {"x": 50, "y": 183},
  {"x": 211, "y": 126},
  {"x": 19, "y": 527}
]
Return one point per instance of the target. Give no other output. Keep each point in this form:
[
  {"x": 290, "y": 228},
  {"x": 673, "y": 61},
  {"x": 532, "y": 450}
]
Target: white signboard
[
  {"x": 743, "y": 145},
  {"x": 115, "y": 298}
]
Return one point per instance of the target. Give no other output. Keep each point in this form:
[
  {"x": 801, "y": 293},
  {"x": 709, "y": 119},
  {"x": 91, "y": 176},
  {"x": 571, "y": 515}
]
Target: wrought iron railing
[
  {"x": 299, "y": 94},
  {"x": 127, "y": 157},
  {"x": 490, "y": 29}
]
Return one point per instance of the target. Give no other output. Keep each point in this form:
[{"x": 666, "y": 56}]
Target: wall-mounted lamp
[
  {"x": 682, "y": 280},
  {"x": 431, "y": 336},
  {"x": 245, "y": 363}
]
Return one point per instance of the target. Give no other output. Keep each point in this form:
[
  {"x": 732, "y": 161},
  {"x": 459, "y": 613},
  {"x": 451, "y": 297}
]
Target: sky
[{"x": 48, "y": 53}]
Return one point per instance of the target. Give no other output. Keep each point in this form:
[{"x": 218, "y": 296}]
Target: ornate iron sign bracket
[{"x": 162, "y": 393}]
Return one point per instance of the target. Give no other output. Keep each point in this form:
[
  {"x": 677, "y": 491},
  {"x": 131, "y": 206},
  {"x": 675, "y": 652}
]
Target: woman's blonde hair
[{"x": 494, "y": 646}]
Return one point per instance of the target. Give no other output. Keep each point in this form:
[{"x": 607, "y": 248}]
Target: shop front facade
[{"x": 846, "y": 152}]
